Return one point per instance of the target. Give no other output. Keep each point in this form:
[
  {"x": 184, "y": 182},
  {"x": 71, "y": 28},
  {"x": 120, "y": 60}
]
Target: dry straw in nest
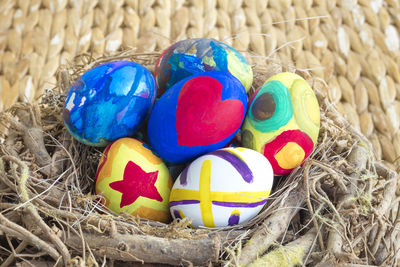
[{"x": 340, "y": 207}]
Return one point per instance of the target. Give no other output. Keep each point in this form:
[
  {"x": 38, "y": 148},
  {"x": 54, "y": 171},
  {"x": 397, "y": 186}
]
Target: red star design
[{"x": 136, "y": 183}]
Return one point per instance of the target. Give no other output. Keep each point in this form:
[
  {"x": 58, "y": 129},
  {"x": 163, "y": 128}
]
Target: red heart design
[{"x": 202, "y": 118}]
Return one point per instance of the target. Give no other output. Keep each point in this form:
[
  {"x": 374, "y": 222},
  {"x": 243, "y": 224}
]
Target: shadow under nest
[{"x": 340, "y": 206}]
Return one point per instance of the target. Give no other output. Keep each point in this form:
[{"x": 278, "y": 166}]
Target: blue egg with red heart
[
  {"x": 199, "y": 114},
  {"x": 108, "y": 102}
]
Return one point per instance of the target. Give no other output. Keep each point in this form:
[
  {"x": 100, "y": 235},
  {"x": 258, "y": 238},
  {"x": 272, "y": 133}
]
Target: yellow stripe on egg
[{"x": 205, "y": 196}]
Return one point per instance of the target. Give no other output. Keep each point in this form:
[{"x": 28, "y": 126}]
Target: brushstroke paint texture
[
  {"x": 283, "y": 121},
  {"x": 273, "y": 147},
  {"x": 234, "y": 218},
  {"x": 204, "y": 192},
  {"x": 199, "y": 114},
  {"x": 196, "y": 124},
  {"x": 238, "y": 163},
  {"x": 136, "y": 183},
  {"x": 213, "y": 187},
  {"x": 183, "y": 202},
  {"x": 194, "y": 56},
  {"x": 240, "y": 204},
  {"x": 283, "y": 110},
  {"x": 108, "y": 102},
  {"x": 183, "y": 176},
  {"x": 133, "y": 180},
  {"x": 177, "y": 215}
]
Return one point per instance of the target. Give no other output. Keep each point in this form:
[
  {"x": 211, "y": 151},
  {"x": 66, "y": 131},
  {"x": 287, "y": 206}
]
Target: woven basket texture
[{"x": 352, "y": 45}]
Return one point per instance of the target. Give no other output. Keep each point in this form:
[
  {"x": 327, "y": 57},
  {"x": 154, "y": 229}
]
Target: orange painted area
[
  {"x": 170, "y": 184},
  {"x": 290, "y": 156},
  {"x": 144, "y": 151},
  {"x": 152, "y": 214},
  {"x": 134, "y": 145},
  {"x": 107, "y": 162},
  {"x": 112, "y": 167}
]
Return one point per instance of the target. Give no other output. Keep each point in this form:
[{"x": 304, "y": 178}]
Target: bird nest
[{"x": 341, "y": 206}]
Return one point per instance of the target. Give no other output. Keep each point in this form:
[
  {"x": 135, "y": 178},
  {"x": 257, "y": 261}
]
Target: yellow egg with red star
[{"x": 131, "y": 179}]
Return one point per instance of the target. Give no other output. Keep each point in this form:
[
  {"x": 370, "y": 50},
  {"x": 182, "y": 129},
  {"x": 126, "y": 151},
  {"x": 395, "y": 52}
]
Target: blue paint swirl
[{"x": 108, "y": 102}]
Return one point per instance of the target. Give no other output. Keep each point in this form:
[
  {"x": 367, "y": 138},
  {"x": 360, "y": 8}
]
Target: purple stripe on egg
[
  {"x": 234, "y": 219},
  {"x": 177, "y": 215},
  {"x": 183, "y": 202},
  {"x": 183, "y": 176},
  {"x": 236, "y": 162},
  {"x": 239, "y": 204}
]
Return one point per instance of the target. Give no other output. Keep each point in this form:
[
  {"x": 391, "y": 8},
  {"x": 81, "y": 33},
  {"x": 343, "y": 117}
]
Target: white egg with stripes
[{"x": 222, "y": 188}]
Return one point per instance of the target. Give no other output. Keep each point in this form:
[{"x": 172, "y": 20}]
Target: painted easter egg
[
  {"x": 131, "y": 179},
  {"x": 222, "y": 188},
  {"x": 199, "y": 114},
  {"x": 108, "y": 102},
  {"x": 283, "y": 122},
  {"x": 193, "y": 56}
]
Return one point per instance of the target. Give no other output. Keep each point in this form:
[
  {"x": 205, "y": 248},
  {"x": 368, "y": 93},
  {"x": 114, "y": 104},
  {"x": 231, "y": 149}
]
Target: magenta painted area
[
  {"x": 183, "y": 177},
  {"x": 136, "y": 183},
  {"x": 238, "y": 204},
  {"x": 211, "y": 108},
  {"x": 274, "y": 146},
  {"x": 234, "y": 219},
  {"x": 236, "y": 162},
  {"x": 201, "y": 113},
  {"x": 183, "y": 202}
]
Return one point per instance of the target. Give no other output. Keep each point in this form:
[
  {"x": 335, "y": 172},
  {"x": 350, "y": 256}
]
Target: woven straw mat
[{"x": 352, "y": 45}]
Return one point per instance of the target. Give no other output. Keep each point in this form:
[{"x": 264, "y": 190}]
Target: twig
[
  {"x": 19, "y": 232},
  {"x": 389, "y": 193},
  {"x": 291, "y": 254},
  {"x": 150, "y": 249},
  {"x": 309, "y": 205},
  {"x": 11, "y": 258},
  {"x": 30, "y": 128},
  {"x": 30, "y": 208},
  {"x": 358, "y": 159},
  {"x": 273, "y": 227}
]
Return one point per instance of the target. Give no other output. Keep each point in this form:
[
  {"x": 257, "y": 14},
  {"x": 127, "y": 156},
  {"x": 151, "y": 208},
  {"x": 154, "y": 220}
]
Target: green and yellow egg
[{"x": 283, "y": 121}]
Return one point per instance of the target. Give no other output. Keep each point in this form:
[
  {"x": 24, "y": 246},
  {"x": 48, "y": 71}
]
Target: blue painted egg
[
  {"x": 197, "y": 115},
  {"x": 194, "y": 56},
  {"x": 108, "y": 102}
]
